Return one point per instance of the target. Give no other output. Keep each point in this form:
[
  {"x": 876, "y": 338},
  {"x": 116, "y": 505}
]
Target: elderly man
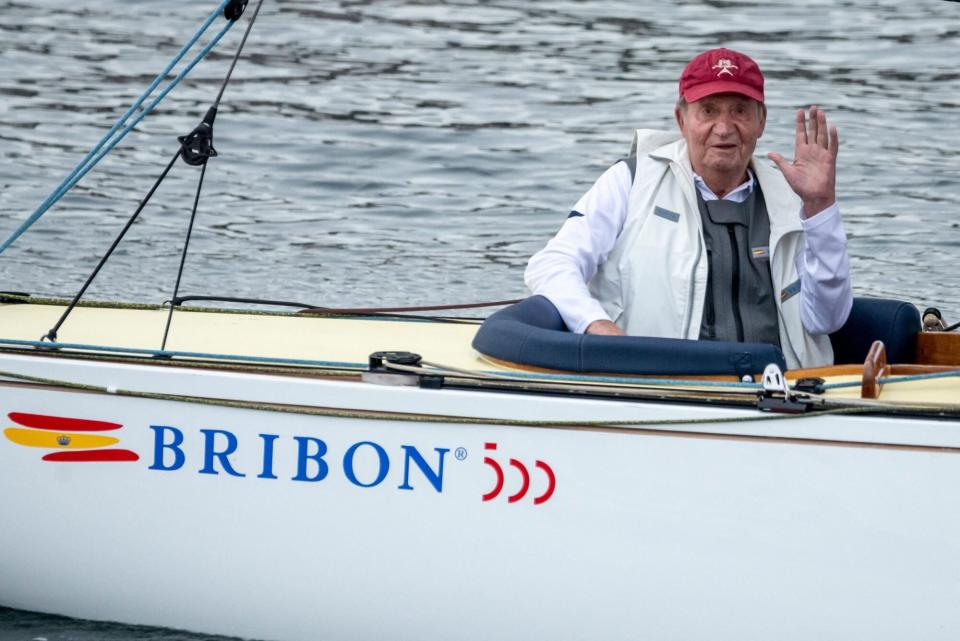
[{"x": 695, "y": 237}]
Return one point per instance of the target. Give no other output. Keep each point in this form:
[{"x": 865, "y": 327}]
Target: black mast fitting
[
  {"x": 197, "y": 146},
  {"x": 234, "y": 10}
]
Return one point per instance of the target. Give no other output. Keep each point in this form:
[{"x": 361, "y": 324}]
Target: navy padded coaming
[
  {"x": 894, "y": 322},
  {"x": 532, "y": 332}
]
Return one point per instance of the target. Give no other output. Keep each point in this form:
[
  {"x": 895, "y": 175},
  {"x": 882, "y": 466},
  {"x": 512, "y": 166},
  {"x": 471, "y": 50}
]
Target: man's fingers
[
  {"x": 801, "y": 128},
  {"x": 823, "y": 134},
  {"x": 834, "y": 141},
  {"x": 778, "y": 160},
  {"x": 813, "y": 126}
]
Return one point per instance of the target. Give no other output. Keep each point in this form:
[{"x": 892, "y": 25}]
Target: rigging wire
[
  {"x": 52, "y": 334},
  {"x": 196, "y": 149},
  {"x": 93, "y": 157},
  {"x": 236, "y": 55},
  {"x": 417, "y": 308},
  {"x": 183, "y": 256}
]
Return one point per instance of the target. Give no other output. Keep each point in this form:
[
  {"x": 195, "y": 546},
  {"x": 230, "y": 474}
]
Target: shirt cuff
[
  {"x": 593, "y": 314},
  {"x": 827, "y": 216}
]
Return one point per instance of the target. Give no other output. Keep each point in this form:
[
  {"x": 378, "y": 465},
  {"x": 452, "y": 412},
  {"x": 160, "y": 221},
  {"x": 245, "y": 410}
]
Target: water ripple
[{"x": 408, "y": 141}]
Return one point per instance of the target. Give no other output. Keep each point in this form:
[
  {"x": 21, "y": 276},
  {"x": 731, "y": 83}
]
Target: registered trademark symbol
[{"x": 460, "y": 453}]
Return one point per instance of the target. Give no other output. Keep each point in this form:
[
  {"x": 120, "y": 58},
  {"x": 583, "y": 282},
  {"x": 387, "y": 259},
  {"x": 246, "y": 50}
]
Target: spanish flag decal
[{"x": 72, "y": 439}]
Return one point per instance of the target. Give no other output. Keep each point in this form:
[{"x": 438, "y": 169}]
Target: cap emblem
[
  {"x": 721, "y": 71},
  {"x": 724, "y": 65}
]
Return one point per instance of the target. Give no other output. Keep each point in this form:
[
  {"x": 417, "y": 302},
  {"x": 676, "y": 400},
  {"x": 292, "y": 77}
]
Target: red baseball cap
[{"x": 721, "y": 71}]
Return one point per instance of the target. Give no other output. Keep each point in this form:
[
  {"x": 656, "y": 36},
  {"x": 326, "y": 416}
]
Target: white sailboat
[{"x": 292, "y": 476}]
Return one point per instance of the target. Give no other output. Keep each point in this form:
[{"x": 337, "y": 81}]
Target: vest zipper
[
  {"x": 736, "y": 282},
  {"x": 683, "y": 177},
  {"x": 691, "y": 299}
]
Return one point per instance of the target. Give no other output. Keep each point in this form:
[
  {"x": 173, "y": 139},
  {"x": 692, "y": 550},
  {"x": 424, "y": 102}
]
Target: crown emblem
[
  {"x": 725, "y": 65},
  {"x": 63, "y": 440}
]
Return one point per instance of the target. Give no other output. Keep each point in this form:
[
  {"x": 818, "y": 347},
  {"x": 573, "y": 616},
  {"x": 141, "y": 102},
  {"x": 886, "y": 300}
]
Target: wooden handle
[{"x": 874, "y": 368}]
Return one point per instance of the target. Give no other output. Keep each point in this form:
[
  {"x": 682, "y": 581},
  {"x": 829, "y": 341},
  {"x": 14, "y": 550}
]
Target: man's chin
[{"x": 725, "y": 165}]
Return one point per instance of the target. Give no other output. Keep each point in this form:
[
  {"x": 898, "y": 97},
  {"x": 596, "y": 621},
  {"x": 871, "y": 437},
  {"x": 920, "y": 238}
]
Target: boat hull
[{"x": 288, "y": 523}]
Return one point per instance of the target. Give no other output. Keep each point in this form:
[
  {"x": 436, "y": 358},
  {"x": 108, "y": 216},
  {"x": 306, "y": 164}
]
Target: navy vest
[{"x": 740, "y": 304}]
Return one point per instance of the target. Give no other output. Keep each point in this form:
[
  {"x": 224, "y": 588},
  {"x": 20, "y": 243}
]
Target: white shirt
[{"x": 562, "y": 269}]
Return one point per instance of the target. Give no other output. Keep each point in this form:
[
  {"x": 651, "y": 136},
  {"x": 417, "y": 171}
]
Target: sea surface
[{"x": 383, "y": 153}]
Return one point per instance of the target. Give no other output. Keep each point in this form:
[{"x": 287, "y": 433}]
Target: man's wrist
[
  {"x": 604, "y": 328},
  {"x": 823, "y": 222},
  {"x": 815, "y": 206}
]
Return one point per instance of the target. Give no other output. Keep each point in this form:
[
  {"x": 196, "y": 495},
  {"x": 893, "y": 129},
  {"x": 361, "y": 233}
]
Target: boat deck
[{"x": 346, "y": 342}]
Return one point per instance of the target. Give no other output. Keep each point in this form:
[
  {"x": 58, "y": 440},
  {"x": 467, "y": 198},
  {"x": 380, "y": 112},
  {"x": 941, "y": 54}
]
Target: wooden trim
[
  {"x": 904, "y": 370},
  {"x": 826, "y": 372},
  {"x": 938, "y": 348}
]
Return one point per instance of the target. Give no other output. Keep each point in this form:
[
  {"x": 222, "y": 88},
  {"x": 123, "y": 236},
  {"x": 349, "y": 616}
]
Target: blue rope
[
  {"x": 829, "y": 386},
  {"x": 150, "y": 107},
  {"x": 897, "y": 379},
  {"x": 85, "y": 165},
  {"x": 165, "y": 353},
  {"x": 919, "y": 377}
]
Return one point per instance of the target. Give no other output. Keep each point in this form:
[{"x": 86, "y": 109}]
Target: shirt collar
[{"x": 739, "y": 194}]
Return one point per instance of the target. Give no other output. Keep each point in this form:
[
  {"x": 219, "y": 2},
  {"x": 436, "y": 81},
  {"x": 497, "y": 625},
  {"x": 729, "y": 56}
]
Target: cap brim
[{"x": 721, "y": 86}]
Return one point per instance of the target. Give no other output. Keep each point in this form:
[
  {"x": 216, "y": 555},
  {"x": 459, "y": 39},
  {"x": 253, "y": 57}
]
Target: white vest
[{"x": 654, "y": 280}]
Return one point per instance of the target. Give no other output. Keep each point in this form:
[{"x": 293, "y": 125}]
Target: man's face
[{"x": 721, "y": 132}]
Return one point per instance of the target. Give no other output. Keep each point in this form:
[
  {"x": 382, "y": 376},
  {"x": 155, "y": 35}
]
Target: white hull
[{"x": 819, "y": 527}]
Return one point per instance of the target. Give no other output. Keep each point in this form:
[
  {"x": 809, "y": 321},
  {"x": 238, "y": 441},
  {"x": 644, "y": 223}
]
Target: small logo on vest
[
  {"x": 724, "y": 65},
  {"x": 790, "y": 291},
  {"x": 672, "y": 216}
]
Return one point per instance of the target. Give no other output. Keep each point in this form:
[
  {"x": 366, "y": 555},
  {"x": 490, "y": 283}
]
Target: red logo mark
[
  {"x": 524, "y": 479},
  {"x": 76, "y": 440},
  {"x": 61, "y": 423}
]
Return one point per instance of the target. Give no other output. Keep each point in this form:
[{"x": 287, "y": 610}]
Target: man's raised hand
[{"x": 813, "y": 173}]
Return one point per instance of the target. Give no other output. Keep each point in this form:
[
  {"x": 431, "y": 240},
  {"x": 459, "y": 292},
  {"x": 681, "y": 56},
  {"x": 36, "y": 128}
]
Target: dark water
[
  {"x": 16, "y": 625},
  {"x": 385, "y": 152}
]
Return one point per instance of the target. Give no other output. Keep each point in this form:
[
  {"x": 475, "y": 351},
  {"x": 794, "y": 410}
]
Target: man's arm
[
  {"x": 562, "y": 269},
  {"x": 825, "y": 296}
]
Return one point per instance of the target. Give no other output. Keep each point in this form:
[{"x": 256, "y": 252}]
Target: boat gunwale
[
  {"x": 637, "y": 428},
  {"x": 720, "y": 399}
]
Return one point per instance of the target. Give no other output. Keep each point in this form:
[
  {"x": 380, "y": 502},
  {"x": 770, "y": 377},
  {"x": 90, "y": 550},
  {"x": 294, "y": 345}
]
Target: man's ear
[
  {"x": 763, "y": 118},
  {"x": 678, "y": 114}
]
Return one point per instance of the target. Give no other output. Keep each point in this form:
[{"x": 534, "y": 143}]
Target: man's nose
[{"x": 723, "y": 126}]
